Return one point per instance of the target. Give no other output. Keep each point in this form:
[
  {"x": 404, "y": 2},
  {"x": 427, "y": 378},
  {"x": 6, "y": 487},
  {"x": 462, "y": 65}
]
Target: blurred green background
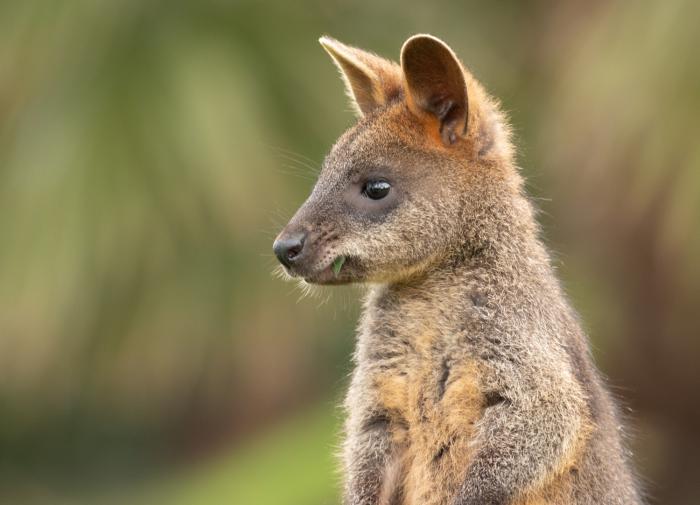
[{"x": 149, "y": 153}]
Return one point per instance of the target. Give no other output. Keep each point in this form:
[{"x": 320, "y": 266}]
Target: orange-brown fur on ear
[
  {"x": 371, "y": 81},
  {"x": 436, "y": 73}
]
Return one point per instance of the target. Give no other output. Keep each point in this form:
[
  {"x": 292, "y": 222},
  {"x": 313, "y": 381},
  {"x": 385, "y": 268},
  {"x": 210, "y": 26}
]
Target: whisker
[
  {"x": 295, "y": 172},
  {"x": 301, "y": 163},
  {"x": 289, "y": 152}
]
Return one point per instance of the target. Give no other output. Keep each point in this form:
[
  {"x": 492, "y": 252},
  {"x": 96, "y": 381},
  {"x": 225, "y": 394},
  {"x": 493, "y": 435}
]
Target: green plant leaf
[{"x": 338, "y": 264}]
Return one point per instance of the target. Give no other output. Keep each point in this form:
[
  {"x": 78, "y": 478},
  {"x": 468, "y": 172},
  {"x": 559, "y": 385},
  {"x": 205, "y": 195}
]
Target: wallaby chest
[{"x": 424, "y": 368}]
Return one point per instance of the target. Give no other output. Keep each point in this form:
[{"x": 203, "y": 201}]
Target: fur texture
[{"x": 473, "y": 382}]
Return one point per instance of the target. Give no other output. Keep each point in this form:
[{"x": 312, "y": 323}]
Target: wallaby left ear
[
  {"x": 435, "y": 84},
  {"x": 370, "y": 80}
]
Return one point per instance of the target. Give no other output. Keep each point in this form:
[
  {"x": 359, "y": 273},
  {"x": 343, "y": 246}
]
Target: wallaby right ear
[
  {"x": 370, "y": 80},
  {"x": 435, "y": 85}
]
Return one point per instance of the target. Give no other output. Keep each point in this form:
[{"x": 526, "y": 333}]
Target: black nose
[{"x": 288, "y": 248}]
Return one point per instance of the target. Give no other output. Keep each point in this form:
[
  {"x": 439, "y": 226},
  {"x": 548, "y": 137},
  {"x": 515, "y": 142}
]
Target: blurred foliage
[
  {"x": 149, "y": 153},
  {"x": 299, "y": 455}
]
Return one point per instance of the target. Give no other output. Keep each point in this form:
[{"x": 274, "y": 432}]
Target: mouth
[{"x": 339, "y": 271}]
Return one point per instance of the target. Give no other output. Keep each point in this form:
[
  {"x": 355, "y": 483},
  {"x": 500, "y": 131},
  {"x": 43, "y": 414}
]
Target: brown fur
[{"x": 473, "y": 382}]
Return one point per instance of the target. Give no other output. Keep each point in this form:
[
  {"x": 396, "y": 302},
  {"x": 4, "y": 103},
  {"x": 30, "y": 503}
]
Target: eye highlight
[{"x": 376, "y": 190}]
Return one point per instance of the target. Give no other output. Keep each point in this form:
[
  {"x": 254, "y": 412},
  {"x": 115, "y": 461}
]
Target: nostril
[
  {"x": 288, "y": 249},
  {"x": 294, "y": 251}
]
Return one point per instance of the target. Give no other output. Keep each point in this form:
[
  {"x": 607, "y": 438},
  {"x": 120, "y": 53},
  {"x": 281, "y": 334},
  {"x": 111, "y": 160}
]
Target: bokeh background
[{"x": 151, "y": 150}]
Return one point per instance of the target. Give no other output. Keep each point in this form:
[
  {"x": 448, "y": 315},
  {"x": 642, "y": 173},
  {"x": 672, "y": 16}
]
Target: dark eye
[{"x": 376, "y": 190}]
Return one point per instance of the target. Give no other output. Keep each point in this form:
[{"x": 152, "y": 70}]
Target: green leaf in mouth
[{"x": 338, "y": 264}]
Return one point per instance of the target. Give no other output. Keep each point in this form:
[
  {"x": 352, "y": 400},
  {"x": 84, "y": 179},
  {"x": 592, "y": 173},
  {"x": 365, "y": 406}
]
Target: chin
[{"x": 328, "y": 281}]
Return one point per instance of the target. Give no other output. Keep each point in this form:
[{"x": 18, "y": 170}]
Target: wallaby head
[{"x": 404, "y": 187}]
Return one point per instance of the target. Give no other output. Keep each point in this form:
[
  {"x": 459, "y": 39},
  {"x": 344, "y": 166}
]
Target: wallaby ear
[
  {"x": 370, "y": 80},
  {"x": 435, "y": 84}
]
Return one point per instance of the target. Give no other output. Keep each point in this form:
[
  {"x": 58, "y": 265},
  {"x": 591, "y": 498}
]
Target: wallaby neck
[{"x": 503, "y": 268}]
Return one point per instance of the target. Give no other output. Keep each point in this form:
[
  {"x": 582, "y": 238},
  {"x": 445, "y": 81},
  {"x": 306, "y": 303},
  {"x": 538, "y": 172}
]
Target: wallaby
[{"x": 473, "y": 383}]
